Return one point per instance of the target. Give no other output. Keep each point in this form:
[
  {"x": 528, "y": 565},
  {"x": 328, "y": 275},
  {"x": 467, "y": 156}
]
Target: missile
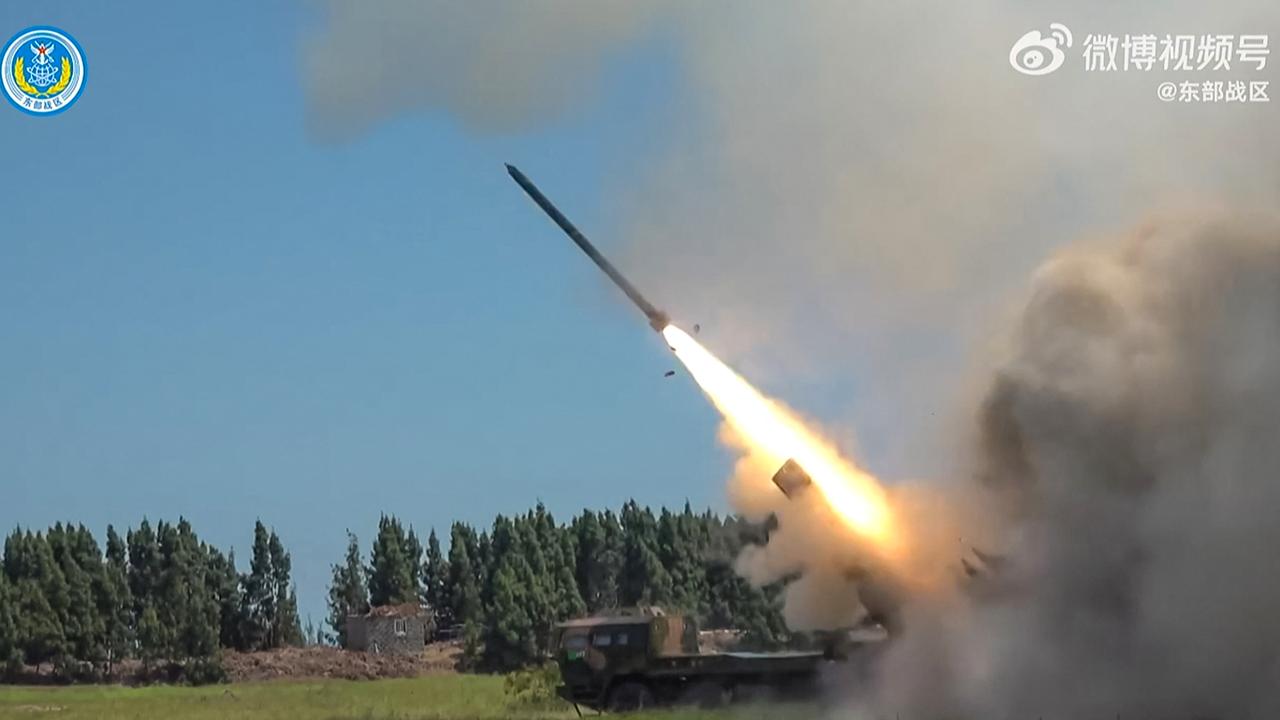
[{"x": 657, "y": 319}]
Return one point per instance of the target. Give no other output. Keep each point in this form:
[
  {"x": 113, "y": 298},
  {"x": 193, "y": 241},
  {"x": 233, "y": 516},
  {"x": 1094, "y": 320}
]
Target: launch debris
[{"x": 791, "y": 478}]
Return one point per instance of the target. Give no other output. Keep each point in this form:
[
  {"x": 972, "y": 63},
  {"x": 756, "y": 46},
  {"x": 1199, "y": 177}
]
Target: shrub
[
  {"x": 204, "y": 671},
  {"x": 533, "y": 686}
]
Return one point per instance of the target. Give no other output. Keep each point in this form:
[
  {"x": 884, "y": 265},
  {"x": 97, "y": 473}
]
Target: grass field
[{"x": 433, "y": 697}]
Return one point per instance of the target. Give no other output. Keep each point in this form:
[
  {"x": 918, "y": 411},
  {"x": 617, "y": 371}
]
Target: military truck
[{"x": 645, "y": 657}]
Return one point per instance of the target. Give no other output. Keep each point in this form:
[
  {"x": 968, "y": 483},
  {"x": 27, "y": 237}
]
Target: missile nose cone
[{"x": 516, "y": 175}]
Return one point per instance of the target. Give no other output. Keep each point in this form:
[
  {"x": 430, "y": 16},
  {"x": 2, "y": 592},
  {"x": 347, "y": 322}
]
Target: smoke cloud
[{"x": 1127, "y": 439}]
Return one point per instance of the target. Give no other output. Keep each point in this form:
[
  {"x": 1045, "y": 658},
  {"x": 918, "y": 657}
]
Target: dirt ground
[
  {"x": 313, "y": 662},
  {"x": 328, "y": 662}
]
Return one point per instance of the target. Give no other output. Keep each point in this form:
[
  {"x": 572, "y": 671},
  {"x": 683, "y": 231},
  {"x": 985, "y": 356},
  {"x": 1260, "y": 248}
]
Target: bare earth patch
[{"x": 327, "y": 662}]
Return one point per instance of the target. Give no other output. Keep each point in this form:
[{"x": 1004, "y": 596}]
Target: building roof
[
  {"x": 404, "y": 610},
  {"x": 619, "y": 616},
  {"x": 605, "y": 620}
]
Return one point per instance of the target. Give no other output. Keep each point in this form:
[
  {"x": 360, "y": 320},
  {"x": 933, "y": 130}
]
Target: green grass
[
  {"x": 434, "y": 697},
  {"x": 437, "y": 696}
]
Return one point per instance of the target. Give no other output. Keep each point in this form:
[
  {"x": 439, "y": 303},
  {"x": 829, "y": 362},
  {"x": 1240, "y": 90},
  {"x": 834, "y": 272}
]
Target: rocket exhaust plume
[{"x": 854, "y": 496}]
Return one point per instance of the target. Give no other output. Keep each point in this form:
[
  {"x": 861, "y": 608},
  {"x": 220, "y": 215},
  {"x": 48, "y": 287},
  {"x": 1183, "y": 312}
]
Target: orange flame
[{"x": 855, "y": 496}]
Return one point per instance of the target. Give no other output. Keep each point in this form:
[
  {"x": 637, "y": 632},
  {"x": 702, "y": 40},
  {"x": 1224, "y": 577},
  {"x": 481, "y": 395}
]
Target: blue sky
[{"x": 206, "y": 312}]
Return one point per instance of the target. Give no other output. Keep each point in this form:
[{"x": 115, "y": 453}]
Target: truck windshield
[{"x": 574, "y": 642}]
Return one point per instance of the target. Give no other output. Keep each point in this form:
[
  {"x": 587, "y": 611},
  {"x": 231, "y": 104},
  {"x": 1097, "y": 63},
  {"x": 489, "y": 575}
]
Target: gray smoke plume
[{"x": 1128, "y": 441}]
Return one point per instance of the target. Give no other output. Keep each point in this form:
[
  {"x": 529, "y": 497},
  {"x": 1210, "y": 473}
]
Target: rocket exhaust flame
[{"x": 854, "y": 496}]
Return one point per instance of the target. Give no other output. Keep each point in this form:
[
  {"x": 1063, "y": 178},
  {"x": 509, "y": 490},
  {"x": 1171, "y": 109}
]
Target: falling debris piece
[
  {"x": 992, "y": 561},
  {"x": 791, "y": 478},
  {"x": 669, "y": 373}
]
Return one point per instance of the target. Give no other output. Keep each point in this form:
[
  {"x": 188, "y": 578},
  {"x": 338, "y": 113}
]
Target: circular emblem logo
[{"x": 43, "y": 70}]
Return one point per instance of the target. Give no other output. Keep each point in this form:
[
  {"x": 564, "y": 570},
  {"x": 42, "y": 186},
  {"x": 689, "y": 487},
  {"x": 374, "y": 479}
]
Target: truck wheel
[
  {"x": 707, "y": 694},
  {"x": 629, "y": 696}
]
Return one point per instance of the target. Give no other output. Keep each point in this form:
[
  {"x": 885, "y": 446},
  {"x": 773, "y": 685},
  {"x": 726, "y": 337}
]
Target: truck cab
[{"x": 596, "y": 654}]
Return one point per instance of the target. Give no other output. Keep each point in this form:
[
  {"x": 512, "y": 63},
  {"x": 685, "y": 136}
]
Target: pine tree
[
  {"x": 644, "y": 580},
  {"x": 599, "y": 559},
  {"x": 285, "y": 628},
  {"x": 510, "y": 641},
  {"x": 224, "y": 581},
  {"x": 169, "y": 595},
  {"x": 144, "y": 566},
  {"x": 116, "y": 602},
  {"x": 292, "y": 631},
  {"x": 39, "y": 631},
  {"x": 186, "y": 608},
  {"x": 10, "y": 641},
  {"x": 464, "y": 586},
  {"x": 678, "y": 552},
  {"x": 257, "y": 596},
  {"x": 480, "y": 547},
  {"x": 569, "y": 602},
  {"x": 553, "y": 560},
  {"x": 80, "y": 564},
  {"x": 153, "y": 638},
  {"x": 435, "y": 580},
  {"x": 413, "y": 556},
  {"x": 347, "y": 591},
  {"x": 198, "y": 613},
  {"x": 87, "y": 556},
  {"x": 43, "y": 599},
  {"x": 536, "y": 576},
  {"x": 392, "y": 571}
]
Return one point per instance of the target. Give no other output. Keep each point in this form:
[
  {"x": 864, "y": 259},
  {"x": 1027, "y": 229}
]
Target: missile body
[{"x": 657, "y": 319}]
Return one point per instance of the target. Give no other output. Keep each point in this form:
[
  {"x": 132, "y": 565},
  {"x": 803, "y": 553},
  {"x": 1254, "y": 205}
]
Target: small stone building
[{"x": 391, "y": 629}]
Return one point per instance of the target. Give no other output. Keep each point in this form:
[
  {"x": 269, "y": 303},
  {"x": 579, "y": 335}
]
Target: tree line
[
  {"x": 159, "y": 595},
  {"x": 507, "y": 586},
  {"x": 169, "y": 602}
]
